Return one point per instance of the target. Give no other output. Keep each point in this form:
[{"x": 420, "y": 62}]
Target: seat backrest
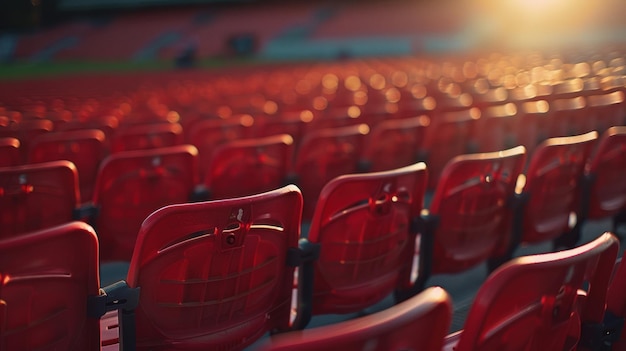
[
  {"x": 363, "y": 224},
  {"x": 84, "y": 148},
  {"x": 215, "y": 275},
  {"x": 47, "y": 279},
  {"x": 249, "y": 166},
  {"x": 499, "y": 126},
  {"x": 606, "y": 110},
  {"x": 450, "y": 134},
  {"x": 146, "y": 136},
  {"x": 9, "y": 152},
  {"x": 395, "y": 143},
  {"x": 616, "y": 303},
  {"x": 420, "y": 323},
  {"x": 552, "y": 186},
  {"x": 37, "y": 196},
  {"x": 206, "y": 135},
  {"x": 606, "y": 169},
  {"x": 25, "y": 131},
  {"x": 531, "y": 302},
  {"x": 133, "y": 184},
  {"x": 325, "y": 154},
  {"x": 471, "y": 209}
]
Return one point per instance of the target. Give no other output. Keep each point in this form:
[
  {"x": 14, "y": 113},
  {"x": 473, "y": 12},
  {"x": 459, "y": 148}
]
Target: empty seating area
[{"x": 249, "y": 201}]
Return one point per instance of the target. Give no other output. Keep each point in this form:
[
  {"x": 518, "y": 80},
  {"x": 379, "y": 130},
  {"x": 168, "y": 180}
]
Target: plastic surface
[
  {"x": 419, "y": 323},
  {"x": 37, "y": 196},
  {"x": 531, "y": 303},
  {"x": 146, "y": 136},
  {"x": 25, "y": 131},
  {"x": 616, "y": 301},
  {"x": 206, "y": 135},
  {"x": 553, "y": 186},
  {"x": 249, "y": 166},
  {"x": 47, "y": 277},
  {"x": 133, "y": 184},
  {"x": 363, "y": 224},
  {"x": 471, "y": 206},
  {"x": 450, "y": 134},
  {"x": 607, "y": 173},
  {"x": 395, "y": 143},
  {"x": 326, "y": 154},
  {"x": 84, "y": 148},
  {"x": 213, "y": 275},
  {"x": 9, "y": 152}
]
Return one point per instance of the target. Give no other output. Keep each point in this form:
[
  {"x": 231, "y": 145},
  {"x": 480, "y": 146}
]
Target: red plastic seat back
[
  {"x": 206, "y": 135},
  {"x": 326, "y": 154},
  {"x": 471, "y": 205},
  {"x": 9, "y": 152},
  {"x": 553, "y": 186},
  {"x": 616, "y": 300},
  {"x": 363, "y": 224},
  {"x": 419, "y": 323},
  {"x": 450, "y": 134},
  {"x": 395, "y": 143},
  {"x": 37, "y": 196},
  {"x": 249, "y": 166},
  {"x": 531, "y": 302},
  {"x": 606, "y": 110},
  {"x": 214, "y": 275},
  {"x": 84, "y": 148},
  {"x": 608, "y": 169},
  {"x": 47, "y": 277},
  {"x": 25, "y": 131},
  {"x": 133, "y": 184},
  {"x": 146, "y": 136}
]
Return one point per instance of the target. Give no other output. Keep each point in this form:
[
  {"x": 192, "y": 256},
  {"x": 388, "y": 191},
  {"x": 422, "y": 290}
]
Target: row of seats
[
  {"x": 494, "y": 196},
  {"x": 221, "y": 274}
]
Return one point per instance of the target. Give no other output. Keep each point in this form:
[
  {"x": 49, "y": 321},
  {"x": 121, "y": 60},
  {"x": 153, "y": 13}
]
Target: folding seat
[
  {"x": 49, "y": 280},
  {"x": 531, "y": 129},
  {"x": 208, "y": 134},
  {"x": 146, "y": 136},
  {"x": 394, "y": 143},
  {"x": 37, "y": 196},
  {"x": 25, "y": 131},
  {"x": 107, "y": 124},
  {"x": 419, "y": 323},
  {"x": 84, "y": 148},
  {"x": 449, "y": 134},
  {"x": 363, "y": 231},
  {"x": 325, "y": 154},
  {"x": 568, "y": 117},
  {"x": 538, "y": 302},
  {"x": 604, "y": 183},
  {"x": 606, "y": 110},
  {"x": 248, "y": 166},
  {"x": 294, "y": 123},
  {"x": 215, "y": 275},
  {"x": 131, "y": 185},
  {"x": 469, "y": 218},
  {"x": 499, "y": 128},
  {"x": 549, "y": 193},
  {"x": 9, "y": 152}
]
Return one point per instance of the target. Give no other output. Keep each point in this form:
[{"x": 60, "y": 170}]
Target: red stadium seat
[
  {"x": 215, "y": 275},
  {"x": 248, "y": 166},
  {"x": 394, "y": 143},
  {"x": 535, "y": 302},
  {"x": 37, "y": 196},
  {"x": 133, "y": 184},
  {"x": 604, "y": 187},
  {"x": 84, "y": 148},
  {"x": 206, "y": 135},
  {"x": 419, "y": 323},
  {"x": 450, "y": 134},
  {"x": 500, "y": 128},
  {"x": 48, "y": 280},
  {"x": 9, "y": 152},
  {"x": 325, "y": 154},
  {"x": 469, "y": 219},
  {"x": 146, "y": 136},
  {"x": 550, "y": 190},
  {"x": 25, "y": 131},
  {"x": 363, "y": 228}
]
